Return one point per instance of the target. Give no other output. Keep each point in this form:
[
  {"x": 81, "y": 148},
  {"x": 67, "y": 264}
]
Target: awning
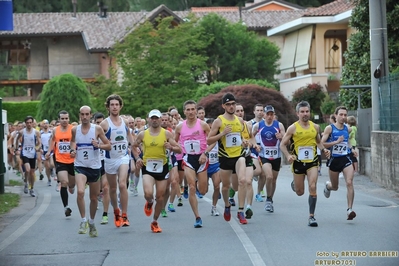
[
  {"x": 288, "y": 55},
  {"x": 303, "y": 48}
]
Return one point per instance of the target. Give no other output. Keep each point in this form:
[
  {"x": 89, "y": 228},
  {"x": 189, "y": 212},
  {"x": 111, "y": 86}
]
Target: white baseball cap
[{"x": 155, "y": 112}]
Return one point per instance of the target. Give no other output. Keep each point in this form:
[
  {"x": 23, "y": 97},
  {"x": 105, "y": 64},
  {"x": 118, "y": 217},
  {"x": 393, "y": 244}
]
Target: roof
[
  {"x": 215, "y": 9},
  {"x": 98, "y": 33},
  {"x": 254, "y": 20},
  {"x": 331, "y": 9},
  {"x": 101, "y": 34},
  {"x": 278, "y": 2}
]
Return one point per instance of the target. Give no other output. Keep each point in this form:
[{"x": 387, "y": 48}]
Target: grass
[
  {"x": 8, "y": 201},
  {"x": 15, "y": 183}
]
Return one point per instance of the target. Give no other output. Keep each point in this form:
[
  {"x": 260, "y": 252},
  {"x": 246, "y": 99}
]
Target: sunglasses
[{"x": 230, "y": 104}]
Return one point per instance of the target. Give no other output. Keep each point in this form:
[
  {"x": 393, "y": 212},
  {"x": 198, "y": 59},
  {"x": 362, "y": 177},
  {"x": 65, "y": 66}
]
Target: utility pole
[{"x": 378, "y": 54}]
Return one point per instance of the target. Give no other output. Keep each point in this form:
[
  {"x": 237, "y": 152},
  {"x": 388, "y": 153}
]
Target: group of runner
[{"x": 109, "y": 153}]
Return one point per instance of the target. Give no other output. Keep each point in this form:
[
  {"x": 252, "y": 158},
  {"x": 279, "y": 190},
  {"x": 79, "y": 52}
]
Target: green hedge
[{"x": 18, "y": 111}]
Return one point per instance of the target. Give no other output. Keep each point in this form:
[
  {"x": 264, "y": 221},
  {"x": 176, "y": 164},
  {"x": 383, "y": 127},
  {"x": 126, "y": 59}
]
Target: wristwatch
[{"x": 206, "y": 154}]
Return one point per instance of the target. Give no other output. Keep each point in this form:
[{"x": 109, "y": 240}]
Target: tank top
[
  {"x": 63, "y": 145},
  {"x": 340, "y": 149},
  {"x": 269, "y": 144},
  {"x": 154, "y": 152},
  {"x": 28, "y": 143},
  {"x": 352, "y": 136},
  {"x": 86, "y": 154},
  {"x": 45, "y": 137},
  {"x": 230, "y": 144},
  {"x": 118, "y": 138},
  {"x": 305, "y": 143},
  {"x": 192, "y": 140}
]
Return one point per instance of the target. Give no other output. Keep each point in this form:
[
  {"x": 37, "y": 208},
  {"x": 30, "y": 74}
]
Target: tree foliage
[
  {"x": 64, "y": 92},
  {"x": 313, "y": 94},
  {"x": 205, "y": 90},
  {"x": 236, "y": 53},
  {"x": 356, "y": 70},
  {"x": 249, "y": 96},
  {"x": 100, "y": 90},
  {"x": 161, "y": 64}
]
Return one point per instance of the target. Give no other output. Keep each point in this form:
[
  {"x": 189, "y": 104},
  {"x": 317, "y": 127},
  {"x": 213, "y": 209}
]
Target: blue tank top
[
  {"x": 270, "y": 145},
  {"x": 340, "y": 149}
]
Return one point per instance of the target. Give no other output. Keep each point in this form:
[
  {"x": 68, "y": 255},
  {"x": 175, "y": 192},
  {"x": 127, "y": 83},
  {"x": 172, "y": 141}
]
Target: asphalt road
[{"x": 38, "y": 233}]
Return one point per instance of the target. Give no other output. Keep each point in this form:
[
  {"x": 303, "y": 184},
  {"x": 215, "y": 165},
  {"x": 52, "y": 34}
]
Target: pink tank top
[{"x": 192, "y": 140}]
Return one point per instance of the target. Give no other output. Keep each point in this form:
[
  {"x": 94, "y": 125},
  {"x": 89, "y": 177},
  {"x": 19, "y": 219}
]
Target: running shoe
[
  {"x": 319, "y": 173},
  {"x": 164, "y": 214},
  {"x": 155, "y": 227},
  {"x": 293, "y": 186},
  {"x": 131, "y": 186},
  {"x": 135, "y": 192},
  {"x": 104, "y": 220},
  {"x": 148, "y": 208},
  {"x": 232, "y": 202},
  {"x": 41, "y": 176},
  {"x": 125, "y": 221},
  {"x": 259, "y": 198},
  {"x": 269, "y": 206},
  {"x": 171, "y": 208},
  {"x": 67, "y": 211},
  {"x": 83, "y": 227},
  {"x": 71, "y": 190},
  {"x": 180, "y": 202},
  {"x": 198, "y": 222},
  {"x": 227, "y": 214},
  {"x": 49, "y": 183},
  {"x": 58, "y": 187},
  {"x": 93, "y": 230},
  {"x": 241, "y": 218},
  {"x": 327, "y": 192},
  {"x": 263, "y": 194},
  {"x": 26, "y": 190},
  {"x": 248, "y": 213},
  {"x": 185, "y": 192},
  {"x": 351, "y": 214},
  {"x": 117, "y": 218},
  {"x": 214, "y": 211},
  {"x": 100, "y": 197},
  {"x": 32, "y": 193},
  {"x": 199, "y": 195},
  {"x": 312, "y": 221},
  {"x": 255, "y": 178}
]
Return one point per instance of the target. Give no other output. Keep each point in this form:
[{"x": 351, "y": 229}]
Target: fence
[{"x": 389, "y": 102}]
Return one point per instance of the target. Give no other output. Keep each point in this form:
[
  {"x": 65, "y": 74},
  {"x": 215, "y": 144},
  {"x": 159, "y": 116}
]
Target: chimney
[
  {"x": 102, "y": 9},
  {"x": 74, "y": 3}
]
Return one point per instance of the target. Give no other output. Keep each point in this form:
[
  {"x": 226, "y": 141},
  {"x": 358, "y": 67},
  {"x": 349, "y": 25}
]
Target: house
[{"x": 50, "y": 44}]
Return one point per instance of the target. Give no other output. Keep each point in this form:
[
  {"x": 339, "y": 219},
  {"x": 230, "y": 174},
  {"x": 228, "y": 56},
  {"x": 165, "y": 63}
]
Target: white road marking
[
  {"x": 20, "y": 231},
  {"x": 252, "y": 252}
]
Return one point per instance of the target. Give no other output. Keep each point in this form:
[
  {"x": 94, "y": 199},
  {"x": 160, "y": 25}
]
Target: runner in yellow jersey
[
  {"x": 305, "y": 138},
  {"x": 154, "y": 164},
  {"x": 226, "y": 129}
]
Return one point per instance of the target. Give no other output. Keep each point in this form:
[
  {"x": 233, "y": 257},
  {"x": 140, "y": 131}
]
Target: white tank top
[
  {"x": 45, "y": 137},
  {"x": 28, "y": 144},
  {"x": 118, "y": 138},
  {"x": 86, "y": 154}
]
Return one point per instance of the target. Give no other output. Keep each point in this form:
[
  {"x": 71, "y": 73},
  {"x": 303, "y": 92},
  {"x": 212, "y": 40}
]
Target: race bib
[
  {"x": 118, "y": 148},
  {"x": 154, "y": 165},
  {"x": 29, "y": 150},
  {"x": 213, "y": 157},
  {"x": 305, "y": 153},
  {"x": 192, "y": 146},
  {"x": 233, "y": 140},
  {"x": 340, "y": 148},
  {"x": 85, "y": 153},
  {"x": 64, "y": 147},
  {"x": 271, "y": 152},
  {"x": 45, "y": 147}
]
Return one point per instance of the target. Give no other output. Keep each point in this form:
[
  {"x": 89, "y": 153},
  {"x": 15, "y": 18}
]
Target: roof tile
[{"x": 331, "y": 9}]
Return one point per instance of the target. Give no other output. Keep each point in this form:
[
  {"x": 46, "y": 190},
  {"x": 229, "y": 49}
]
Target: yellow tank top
[
  {"x": 153, "y": 147},
  {"x": 230, "y": 144},
  {"x": 245, "y": 132},
  {"x": 304, "y": 143}
]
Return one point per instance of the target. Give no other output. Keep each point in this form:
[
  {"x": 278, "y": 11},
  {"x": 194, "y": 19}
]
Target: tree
[
  {"x": 313, "y": 94},
  {"x": 236, "y": 53},
  {"x": 356, "y": 70},
  {"x": 248, "y": 96},
  {"x": 64, "y": 92},
  {"x": 100, "y": 90},
  {"x": 161, "y": 64}
]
